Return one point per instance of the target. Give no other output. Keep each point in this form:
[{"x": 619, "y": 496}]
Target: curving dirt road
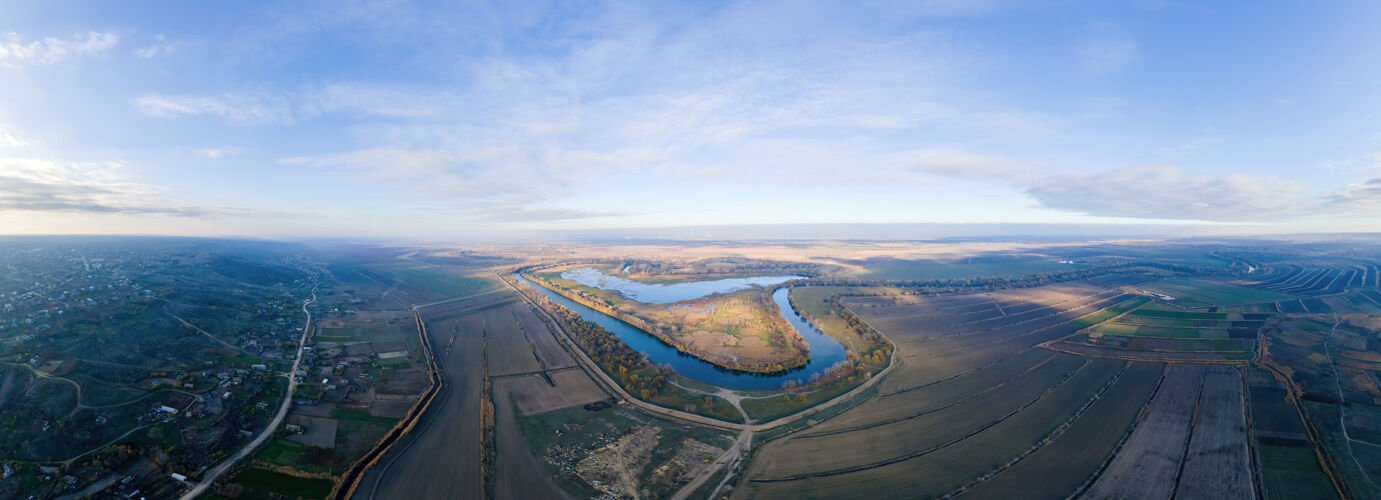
[{"x": 216, "y": 472}]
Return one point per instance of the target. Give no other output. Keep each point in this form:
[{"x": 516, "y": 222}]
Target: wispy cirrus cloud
[
  {"x": 160, "y": 47},
  {"x": 216, "y": 153},
  {"x": 288, "y": 107},
  {"x": 480, "y": 173},
  {"x": 15, "y": 51},
  {"x": 242, "y": 108}
]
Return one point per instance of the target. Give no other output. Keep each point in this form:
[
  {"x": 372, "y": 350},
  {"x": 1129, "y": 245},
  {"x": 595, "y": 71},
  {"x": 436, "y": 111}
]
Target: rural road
[
  {"x": 207, "y": 334},
  {"x": 599, "y": 375},
  {"x": 216, "y": 472},
  {"x": 455, "y": 299},
  {"x": 731, "y": 455},
  {"x": 745, "y": 437}
]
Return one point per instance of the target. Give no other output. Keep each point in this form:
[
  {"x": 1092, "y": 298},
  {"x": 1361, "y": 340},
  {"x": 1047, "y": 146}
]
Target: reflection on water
[
  {"x": 658, "y": 293},
  {"x": 824, "y": 350}
]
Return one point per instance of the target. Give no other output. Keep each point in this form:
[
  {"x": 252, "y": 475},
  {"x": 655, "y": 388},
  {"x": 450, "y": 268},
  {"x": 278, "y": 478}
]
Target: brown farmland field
[
  {"x": 509, "y": 350},
  {"x": 971, "y": 399},
  {"x": 441, "y": 456},
  {"x": 540, "y": 336},
  {"x": 1218, "y": 463},
  {"x": 841, "y": 443},
  {"x": 519, "y": 475},
  {"x": 534, "y": 395},
  {"x": 1148, "y": 463},
  {"x": 1064, "y": 465},
  {"x": 945, "y": 468}
]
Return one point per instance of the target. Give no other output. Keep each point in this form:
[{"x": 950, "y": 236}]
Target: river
[{"x": 824, "y": 350}]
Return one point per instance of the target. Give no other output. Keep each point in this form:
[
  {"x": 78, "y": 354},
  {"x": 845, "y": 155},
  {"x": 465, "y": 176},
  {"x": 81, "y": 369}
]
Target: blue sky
[{"x": 398, "y": 119}]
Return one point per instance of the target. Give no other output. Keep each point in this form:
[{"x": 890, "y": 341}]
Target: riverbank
[{"x": 735, "y": 331}]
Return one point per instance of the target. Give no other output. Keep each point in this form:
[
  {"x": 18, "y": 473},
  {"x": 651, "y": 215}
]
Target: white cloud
[
  {"x": 955, "y": 163},
  {"x": 45, "y": 186},
  {"x": 1364, "y": 197},
  {"x": 481, "y": 173},
  {"x": 9, "y": 140},
  {"x": 1107, "y": 49},
  {"x": 244, "y": 108},
  {"x": 216, "y": 153},
  {"x": 16, "y": 52},
  {"x": 1170, "y": 193},
  {"x": 161, "y": 47},
  {"x": 287, "y": 107}
]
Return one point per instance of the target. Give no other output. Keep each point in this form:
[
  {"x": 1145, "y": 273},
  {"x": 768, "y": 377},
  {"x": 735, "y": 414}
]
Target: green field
[
  {"x": 359, "y": 416},
  {"x": 1292, "y": 472},
  {"x": 812, "y": 302},
  {"x": 266, "y": 481},
  {"x": 909, "y": 270},
  {"x": 281, "y": 452},
  {"x": 1097, "y": 317},
  {"x": 1158, "y": 331},
  {"x": 770, "y": 408},
  {"x": 1176, "y": 323},
  {"x": 1200, "y": 293},
  {"x": 1178, "y": 314}
]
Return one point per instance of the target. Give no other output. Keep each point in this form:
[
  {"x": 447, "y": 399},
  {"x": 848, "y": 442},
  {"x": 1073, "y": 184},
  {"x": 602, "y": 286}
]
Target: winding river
[{"x": 824, "y": 350}]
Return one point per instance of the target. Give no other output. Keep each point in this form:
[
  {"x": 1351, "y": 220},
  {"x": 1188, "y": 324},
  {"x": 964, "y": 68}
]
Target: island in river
[{"x": 732, "y": 323}]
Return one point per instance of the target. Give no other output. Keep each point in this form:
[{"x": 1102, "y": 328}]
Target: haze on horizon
[{"x": 432, "y": 121}]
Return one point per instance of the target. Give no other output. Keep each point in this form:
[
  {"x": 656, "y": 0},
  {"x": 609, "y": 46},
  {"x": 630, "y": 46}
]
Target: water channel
[{"x": 824, "y": 350}]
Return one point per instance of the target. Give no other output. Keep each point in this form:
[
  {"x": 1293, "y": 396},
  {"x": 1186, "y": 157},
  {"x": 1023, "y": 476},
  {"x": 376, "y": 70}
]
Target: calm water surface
[
  {"x": 824, "y": 350},
  {"x": 666, "y": 293}
]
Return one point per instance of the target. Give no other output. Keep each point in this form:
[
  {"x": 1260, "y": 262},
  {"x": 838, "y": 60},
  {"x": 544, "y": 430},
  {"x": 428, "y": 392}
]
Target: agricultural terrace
[
  {"x": 1319, "y": 279},
  {"x": 740, "y": 330},
  {"x": 1343, "y": 287}
]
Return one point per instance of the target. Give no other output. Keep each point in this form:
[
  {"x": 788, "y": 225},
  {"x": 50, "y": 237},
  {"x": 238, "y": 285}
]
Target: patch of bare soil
[
  {"x": 614, "y": 469},
  {"x": 691, "y": 458}
]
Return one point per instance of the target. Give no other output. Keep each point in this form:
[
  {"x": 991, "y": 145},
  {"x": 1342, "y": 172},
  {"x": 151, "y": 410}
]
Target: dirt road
[{"x": 216, "y": 472}]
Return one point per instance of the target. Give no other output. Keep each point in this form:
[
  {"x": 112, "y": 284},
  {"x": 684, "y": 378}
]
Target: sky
[{"x": 460, "y": 120}]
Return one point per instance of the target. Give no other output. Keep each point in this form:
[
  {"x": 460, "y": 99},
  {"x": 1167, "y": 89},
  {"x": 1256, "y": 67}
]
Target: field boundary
[
  {"x": 932, "y": 449},
  {"x": 928, "y": 410},
  {"x": 356, "y": 472},
  {"x": 1141, "y": 415},
  {"x": 1049, "y": 438},
  {"x": 590, "y": 368}
]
